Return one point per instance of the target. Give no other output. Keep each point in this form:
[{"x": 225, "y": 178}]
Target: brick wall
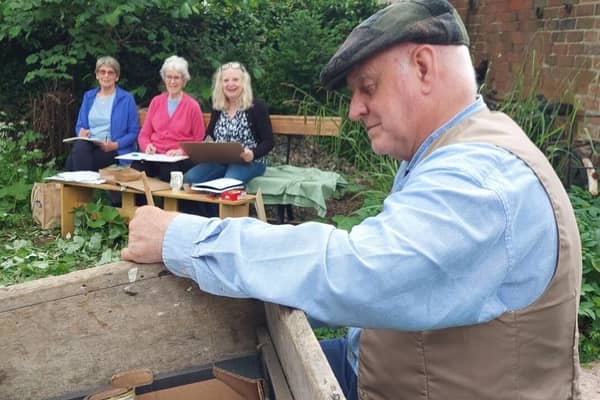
[{"x": 560, "y": 38}]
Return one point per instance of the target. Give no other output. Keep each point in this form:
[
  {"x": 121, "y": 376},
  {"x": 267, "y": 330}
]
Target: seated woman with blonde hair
[{"x": 236, "y": 117}]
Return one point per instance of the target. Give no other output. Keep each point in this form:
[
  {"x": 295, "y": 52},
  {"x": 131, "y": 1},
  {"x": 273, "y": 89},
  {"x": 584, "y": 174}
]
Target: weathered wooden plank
[
  {"x": 304, "y": 364},
  {"x": 68, "y": 333},
  {"x": 273, "y": 371},
  {"x": 310, "y": 125}
]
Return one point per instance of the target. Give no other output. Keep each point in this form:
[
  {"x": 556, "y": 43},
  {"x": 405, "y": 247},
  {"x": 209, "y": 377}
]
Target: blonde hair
[
  {"x": 219, "y": 101},
  {"x": 109, "y": 62},
  {"x": 177, "y": 64}
]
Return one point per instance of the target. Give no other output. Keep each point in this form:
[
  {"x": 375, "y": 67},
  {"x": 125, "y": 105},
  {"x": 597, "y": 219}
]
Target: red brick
[
  {"x": 551, "y": 25},
  {"x": 567, "y": 24},
  {"x": 591, "y": 104},
  {"x": 565, "y": 61},
  {"x": 574, "y": 36},
  {"x": 594, "y": 90},
  {"x": 551, "y": 13},
  {"x": 580, "y": 10},
  {"x": 590, "y": 36},
  {"x": 584, "y": 79},
  {"x": 560, "y": 49},
  {"x": 585, "y": 22},
  {"x": 517, "y": 5},
  {"x": 575, "y": 49},
  {"x": 517, "y": 38},
  {"x": 592, "y": 49},
  {"x": 583, "y": 62},
  {"x": 559, "y": 37}
]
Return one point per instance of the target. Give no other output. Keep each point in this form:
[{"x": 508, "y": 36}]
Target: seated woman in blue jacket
[
  {"x": 108, "y": 113},
  {"x": 236, "y": 117}
]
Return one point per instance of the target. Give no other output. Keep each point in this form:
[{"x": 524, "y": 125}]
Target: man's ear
[{"x": 424, "y": 57}]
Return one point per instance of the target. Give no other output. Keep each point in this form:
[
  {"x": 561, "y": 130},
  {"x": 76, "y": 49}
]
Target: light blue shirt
[
  {"x": 172, "y": 106},
  {"x": 99, "y": 117},
  {"x": 466, "y": 234}
]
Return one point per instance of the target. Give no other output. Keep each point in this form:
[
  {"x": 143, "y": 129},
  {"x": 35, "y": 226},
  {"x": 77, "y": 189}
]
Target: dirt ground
[{"x": 590, "y": 381}]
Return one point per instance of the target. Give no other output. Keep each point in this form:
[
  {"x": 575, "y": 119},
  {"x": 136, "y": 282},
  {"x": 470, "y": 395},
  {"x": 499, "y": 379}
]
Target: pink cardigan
[{"x": 186, "y": 124}]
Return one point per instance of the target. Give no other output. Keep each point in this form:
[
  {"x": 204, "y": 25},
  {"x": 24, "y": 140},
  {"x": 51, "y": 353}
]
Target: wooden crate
[{"x": 71, "y": 333}]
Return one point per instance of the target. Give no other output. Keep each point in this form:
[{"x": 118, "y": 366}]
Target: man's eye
[{"x": 368, "y": 89}]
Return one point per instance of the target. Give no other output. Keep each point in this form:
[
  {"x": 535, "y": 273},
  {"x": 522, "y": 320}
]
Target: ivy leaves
[{"x": 100, "y": 233}]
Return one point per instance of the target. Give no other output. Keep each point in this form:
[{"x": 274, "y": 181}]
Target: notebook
[
  {"x": 75, "y": 138},
  {"x": 218, "y": 185},
  {"x": 150, "y": 157}
]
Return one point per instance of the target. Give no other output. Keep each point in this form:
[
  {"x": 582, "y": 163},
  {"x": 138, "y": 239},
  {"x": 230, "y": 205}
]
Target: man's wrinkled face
[{"x": 383, "y": 93}]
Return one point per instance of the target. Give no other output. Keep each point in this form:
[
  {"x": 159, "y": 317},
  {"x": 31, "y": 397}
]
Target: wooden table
[{"x": 75, "y": 194}]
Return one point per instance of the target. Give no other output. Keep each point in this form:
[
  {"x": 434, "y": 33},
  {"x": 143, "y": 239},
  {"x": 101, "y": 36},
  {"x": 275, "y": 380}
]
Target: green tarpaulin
[{"x": 303, "y": 187}]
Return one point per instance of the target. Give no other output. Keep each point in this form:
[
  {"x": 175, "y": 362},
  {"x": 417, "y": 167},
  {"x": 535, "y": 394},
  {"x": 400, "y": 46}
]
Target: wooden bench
[{"x": 75, "y": 194}]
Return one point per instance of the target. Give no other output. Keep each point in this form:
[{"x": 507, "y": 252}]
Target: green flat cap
[{"x": 416, "y": 21}]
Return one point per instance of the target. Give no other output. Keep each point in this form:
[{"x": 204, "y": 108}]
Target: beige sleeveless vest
[{"x": 527, "y": 354}]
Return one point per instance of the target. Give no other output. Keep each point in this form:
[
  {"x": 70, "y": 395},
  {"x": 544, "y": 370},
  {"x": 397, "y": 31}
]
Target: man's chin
[{"x": 377, "y": 149}]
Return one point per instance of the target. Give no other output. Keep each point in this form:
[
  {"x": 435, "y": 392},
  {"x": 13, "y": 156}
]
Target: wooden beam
[{"x": 307, "y": 371}]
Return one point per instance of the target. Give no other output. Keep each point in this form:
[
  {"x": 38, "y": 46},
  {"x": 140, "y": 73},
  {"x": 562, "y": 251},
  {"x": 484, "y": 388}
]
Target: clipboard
[{"x": 211, "y": 152}]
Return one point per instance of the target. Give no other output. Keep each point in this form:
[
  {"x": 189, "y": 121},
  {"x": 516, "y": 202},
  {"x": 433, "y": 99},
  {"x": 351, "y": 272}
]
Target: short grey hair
[
  {"x": 177, "y": 64},
  {"x": 109, "y": 62}
]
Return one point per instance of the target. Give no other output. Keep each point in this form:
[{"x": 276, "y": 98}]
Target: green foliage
[
  {"x": 587, "y": 211},
  {"x": 21, "y": 168},
  {"x": 329, "y": 333},
  {"x": 100, "y": 233},
  {"x": 550, "y": 126}
]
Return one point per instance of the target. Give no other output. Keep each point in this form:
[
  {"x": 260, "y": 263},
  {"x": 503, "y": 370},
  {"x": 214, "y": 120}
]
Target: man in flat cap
[{"x": 466, "y": 285}]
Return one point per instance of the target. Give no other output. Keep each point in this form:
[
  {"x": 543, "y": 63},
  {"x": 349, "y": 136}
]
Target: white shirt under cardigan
[{"x": 465, "y": 235}]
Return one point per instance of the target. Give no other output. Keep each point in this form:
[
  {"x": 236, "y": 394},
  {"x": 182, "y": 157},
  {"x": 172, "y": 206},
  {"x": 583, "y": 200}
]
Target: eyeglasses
[
  {"x": 233, "y": 65},
  {"x": 172, "y": 77},
  {"x": 106, "y": 72}
]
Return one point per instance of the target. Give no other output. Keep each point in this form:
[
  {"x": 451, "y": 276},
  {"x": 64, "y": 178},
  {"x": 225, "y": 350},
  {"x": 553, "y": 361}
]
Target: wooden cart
[{"x": 71, "y": 333}]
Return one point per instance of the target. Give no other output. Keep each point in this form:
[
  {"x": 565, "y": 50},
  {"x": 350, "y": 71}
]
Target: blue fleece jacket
[{"x": 124, "y": 123}]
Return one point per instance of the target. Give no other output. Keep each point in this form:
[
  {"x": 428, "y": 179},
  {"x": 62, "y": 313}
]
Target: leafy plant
[
  {"x": 100, "y": 233},
  {"x": 20, "y": 158},
  {"x": 549, "y": 125},
  {"x": 587, "y": 212}
]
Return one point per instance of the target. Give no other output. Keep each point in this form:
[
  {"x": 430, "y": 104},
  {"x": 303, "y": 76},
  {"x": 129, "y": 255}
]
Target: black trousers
[{"x": 86, "y": 156}]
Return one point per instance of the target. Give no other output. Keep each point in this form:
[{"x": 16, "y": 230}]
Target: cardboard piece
[
  {"x": 45, "y": 204},
  {"x": 207, "y": 152},
  {"x": 138, "y": 184},
  {"x": 225, "y": 385}
]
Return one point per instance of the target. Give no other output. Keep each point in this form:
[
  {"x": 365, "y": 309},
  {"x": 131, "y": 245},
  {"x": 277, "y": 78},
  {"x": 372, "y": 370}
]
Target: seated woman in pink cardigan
[{"x": 172, "y": 117}]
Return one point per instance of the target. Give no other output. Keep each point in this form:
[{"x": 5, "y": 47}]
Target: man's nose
[{"x": 357, "y": 109}]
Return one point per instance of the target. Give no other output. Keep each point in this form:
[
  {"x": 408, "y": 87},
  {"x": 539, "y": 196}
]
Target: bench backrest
[
  {"x": 300, "y": 125},
  {"x": 289, "y": 124}
]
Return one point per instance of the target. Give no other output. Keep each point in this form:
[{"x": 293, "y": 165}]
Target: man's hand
[{"x": 146, "y": 234}]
